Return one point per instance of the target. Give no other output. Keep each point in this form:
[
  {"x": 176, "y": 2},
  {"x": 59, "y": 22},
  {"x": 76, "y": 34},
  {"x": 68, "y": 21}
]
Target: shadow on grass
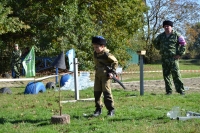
[
  {"x": 113, "y": 119},
  {"x": 110, "y": 118},
  {"x": 38, "y": 122},
  {"x": 2, "y": 120},
  {"x": 120, "y": 119}
]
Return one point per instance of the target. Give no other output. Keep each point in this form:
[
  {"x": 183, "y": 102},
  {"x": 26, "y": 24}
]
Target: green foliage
[
  {"x": 7, "y": 23},
  {"x": 194, "y": 42},
  {"x": 119, "y": 21},
  {"x": 61, "y": 25}
]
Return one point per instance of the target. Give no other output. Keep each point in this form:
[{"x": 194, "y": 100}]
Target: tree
[
  {"x": 61, "y": 25},
  {"x": 119, "y": 21},
  {"x": 193, "y": 37},
  {"x": 7, "y": 23}
]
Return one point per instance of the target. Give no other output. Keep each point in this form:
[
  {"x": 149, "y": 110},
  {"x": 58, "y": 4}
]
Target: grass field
[
  {"x": 134, "y": 113},
  {"x": 21, "y": 113}
]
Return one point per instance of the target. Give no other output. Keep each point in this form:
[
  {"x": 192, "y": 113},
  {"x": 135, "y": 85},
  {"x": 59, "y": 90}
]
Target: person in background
[
  {"x": 16, "y": 61},
  {"x": 103, "y": 78},
  {"x": 171, "y": 46}
]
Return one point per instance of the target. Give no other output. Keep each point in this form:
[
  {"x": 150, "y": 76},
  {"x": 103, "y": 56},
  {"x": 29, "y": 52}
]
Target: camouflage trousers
[
  {"x": 102, "y": 86},
  {"x": 170, "y": 68},
  {"x": 16, "y": 69}
]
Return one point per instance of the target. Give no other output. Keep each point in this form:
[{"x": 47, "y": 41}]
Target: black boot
[
  {"x": 111, "y": 112},
  {"x": 97, "y": 112}
]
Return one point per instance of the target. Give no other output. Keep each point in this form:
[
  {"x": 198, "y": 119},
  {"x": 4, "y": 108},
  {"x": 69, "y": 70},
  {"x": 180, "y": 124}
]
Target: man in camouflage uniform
[
  {"x": 102, "y": 82},
  {"x": 16, "y": 61},
  {"x": 171, "y": 46}
]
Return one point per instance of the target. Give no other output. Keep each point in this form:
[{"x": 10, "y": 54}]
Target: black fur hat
[
  {"x": 99, "y": 40},
  {"x": 168, "y": 22}
]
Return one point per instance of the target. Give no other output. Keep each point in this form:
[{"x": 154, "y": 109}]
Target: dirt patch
[{"x": 158, "y": 86}]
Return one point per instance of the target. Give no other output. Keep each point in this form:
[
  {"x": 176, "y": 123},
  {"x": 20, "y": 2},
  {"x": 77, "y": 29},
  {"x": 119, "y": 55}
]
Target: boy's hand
[{"x": 110, "y": 75}]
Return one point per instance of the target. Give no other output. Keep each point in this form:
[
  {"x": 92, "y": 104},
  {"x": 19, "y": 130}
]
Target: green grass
[
  {"x": 21, "y": 113},
  {"x": 183, "y": 64},
  {"x": 134, "y": 113},
  {"x": 154, "y": 76}
]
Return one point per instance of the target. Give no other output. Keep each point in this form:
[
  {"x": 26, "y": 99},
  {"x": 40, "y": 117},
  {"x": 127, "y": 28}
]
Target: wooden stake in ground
[{"x": 60, "y": 119}]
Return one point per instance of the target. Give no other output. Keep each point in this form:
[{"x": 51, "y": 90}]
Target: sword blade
[{"x": 114, "y": 78}]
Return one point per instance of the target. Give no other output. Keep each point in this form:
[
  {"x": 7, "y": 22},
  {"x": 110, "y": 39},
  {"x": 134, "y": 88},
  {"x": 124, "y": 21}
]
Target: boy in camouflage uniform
[
  {"x": 16, "y": 61},
  {"x": 171, "y": 45},
  {"x": 102, "y": 81}
]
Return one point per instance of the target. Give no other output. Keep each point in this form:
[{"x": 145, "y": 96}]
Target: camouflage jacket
[
  {"x": 106, "y": 58},
  {"x": 169, "y": 46},
  {"x": 16, "y": 56}
]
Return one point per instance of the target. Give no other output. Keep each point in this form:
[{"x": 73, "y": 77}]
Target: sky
[{"x": 198, "y": 1}]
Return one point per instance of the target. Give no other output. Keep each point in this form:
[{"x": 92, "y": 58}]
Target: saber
[
  {"x": 115, "y": 79},
  {"x": 110, "y": 70},
  {"x": 190, "y": 113},
  {"x": 187, "y": 118}
]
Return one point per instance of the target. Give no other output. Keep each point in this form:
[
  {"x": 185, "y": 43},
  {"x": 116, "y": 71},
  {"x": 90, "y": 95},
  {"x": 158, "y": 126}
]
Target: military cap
[
  {"x": 99, "y": 40},
  {"x": 168, "y": 22}
]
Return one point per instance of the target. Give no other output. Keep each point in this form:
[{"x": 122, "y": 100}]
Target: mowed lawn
[
  {"x": 134, "y": 113},
  {"x": 21, "y": 113}
]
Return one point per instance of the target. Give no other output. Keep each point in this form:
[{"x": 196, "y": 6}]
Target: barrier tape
[
  {"x": 147, "y": 71},
  {"x": 28, "y": 79}
]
